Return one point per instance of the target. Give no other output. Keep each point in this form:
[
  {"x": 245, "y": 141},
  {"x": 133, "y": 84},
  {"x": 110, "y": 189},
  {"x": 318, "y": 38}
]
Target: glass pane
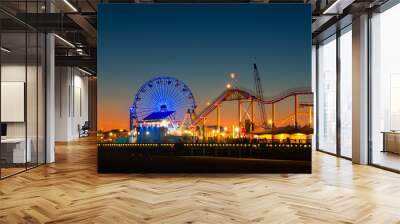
[
  {"x": 327, "y": 95},
  {"x": 346, "y": 93},
  {"x": 23, "y": 89},
  {"x": 13, "y": 88},
  {"x": 385, "y": 114},
  {"x": 31, "y": 98},
  {"x": 41, "y": 98},
  {"x": 32, "y": 88}
]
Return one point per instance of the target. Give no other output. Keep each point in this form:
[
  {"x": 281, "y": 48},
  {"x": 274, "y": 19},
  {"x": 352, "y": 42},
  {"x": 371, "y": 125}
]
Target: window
[
  {"x": 326, "y": 101},
  {"x": 346, "y": 92},
  {"x": 385, "y": 89},
  {"x": 22, "y": 99}
]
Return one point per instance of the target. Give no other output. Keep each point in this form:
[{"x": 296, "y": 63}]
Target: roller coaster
[{"x": 246, "y": 96}]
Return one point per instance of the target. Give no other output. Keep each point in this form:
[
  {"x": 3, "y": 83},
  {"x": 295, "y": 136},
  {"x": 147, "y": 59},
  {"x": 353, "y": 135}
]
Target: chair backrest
[{"x": 86, "y": 125}]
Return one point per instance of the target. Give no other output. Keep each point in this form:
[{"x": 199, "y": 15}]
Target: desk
[
  {"x": 16, "y": 147},
  {"x": 391, "y": 141}
]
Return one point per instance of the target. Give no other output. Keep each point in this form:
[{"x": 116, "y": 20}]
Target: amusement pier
[
  {"x": 168, "y": 134},
  {"x": 164, "y": 110}
]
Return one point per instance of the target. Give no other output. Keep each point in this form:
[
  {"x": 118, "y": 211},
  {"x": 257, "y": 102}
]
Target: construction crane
[{"x": 260, "y": 95}]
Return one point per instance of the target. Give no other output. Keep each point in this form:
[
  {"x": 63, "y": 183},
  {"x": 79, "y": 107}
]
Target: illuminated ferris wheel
[{"x": 162, "y": 96}]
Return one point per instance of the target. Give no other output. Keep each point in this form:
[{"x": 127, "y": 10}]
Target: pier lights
[
  {"x": 164, "y": 123},
  {"x": 188, "y": 132},
  {"x": 270, "y": 123}
]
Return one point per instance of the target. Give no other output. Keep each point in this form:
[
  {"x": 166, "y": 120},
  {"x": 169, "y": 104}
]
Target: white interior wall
[
  {"x": 71, "y": 102},
  {"x": 80, "y": 111},
  {"x": 16, "y": 73},
  {"x": 61, "y": 103}
]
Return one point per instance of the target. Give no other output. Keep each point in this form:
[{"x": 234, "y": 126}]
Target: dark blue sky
[{"x": 200, "y": 44}]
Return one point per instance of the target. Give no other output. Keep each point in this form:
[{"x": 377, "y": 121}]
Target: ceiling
[{"x": 75, "y": 21}]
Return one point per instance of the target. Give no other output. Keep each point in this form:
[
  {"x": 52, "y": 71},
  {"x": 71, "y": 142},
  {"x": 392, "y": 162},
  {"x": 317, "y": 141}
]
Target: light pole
[{"x": 233, "y": 79}]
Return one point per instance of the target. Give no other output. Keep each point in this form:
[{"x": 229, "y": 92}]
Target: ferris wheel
[{"x": 162, "y": 94}]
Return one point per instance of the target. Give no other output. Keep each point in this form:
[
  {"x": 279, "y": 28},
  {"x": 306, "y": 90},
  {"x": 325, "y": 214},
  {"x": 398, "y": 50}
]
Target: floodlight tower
[{"x": 260, "y": 95}]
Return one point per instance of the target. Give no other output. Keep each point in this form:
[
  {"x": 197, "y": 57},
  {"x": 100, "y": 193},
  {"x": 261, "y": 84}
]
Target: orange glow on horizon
[{"x": 110, "y": 117}]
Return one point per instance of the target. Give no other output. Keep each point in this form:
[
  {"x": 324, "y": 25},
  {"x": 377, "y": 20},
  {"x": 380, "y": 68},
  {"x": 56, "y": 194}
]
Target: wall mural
[{"x": 204, "y": 88}]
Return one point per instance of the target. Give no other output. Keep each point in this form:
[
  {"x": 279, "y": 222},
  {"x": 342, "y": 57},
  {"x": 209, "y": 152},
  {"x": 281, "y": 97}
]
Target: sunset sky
[{"x": 199, "y": 44}]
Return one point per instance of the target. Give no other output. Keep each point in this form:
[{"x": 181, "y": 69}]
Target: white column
[
  {"x": 50, "y": 92},
  {"x": 50, "y": 99},
  {"x": 360, "y": 90}
]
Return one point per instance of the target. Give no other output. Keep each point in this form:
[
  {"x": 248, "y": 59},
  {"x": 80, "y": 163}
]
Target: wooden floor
[
  {"x": 5, "y": 172},
  {"x": 70, "y": 191},
  {"x": 387, "y": 159}
]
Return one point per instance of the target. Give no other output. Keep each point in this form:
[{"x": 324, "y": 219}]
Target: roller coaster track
[
  {"x": 289, "y": 119},
  {"x": 243, "y": 94}
]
